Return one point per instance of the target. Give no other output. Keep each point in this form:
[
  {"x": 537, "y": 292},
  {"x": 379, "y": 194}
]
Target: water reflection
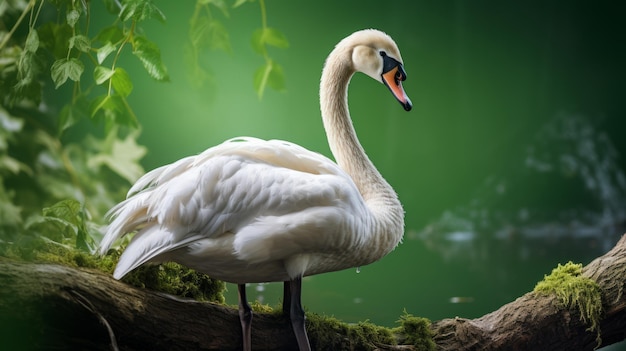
[{"x": 564, "y": 191}]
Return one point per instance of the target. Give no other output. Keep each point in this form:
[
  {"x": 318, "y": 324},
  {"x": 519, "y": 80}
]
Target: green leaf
[
  {"x": 196, "y": 74},
  {"x": 121, "y": 82},
  {"x": 72, "y": 17},
  {"x": 103, "y": 52},
  {"x": 276, "y": 38},
  {"x": 80, "y": 42},
  {"x": 101, "y": 74},
  {"x": 150, "y": 56},
  {"x": 72, "y": 113},
  {"x": 26, "y": 67},
  {"x": 110, "y": 34},
  {"x": 71, "y": 215},
  {"x": 123, "y": 158},
  {"x": 32, "y": 41},
  {"x": 26, "y": 90},
  {"x": 55, "y": 37},
  {"x": 270, "y": 74},
  {"x": 207, "y": 33},
  {"x": 140, "y": 10},
  {"x": 257, "y": 41},
  {"x": 102, "y": 102},
  {"x": 276, "y": 79},
  {"x": 63, "y": 69},
  {"x": 115, "y": 110},
  {"x": 268, "y": 36},
  {"x": 28, "y": 87},
  {"x": 66, "y": 210}
]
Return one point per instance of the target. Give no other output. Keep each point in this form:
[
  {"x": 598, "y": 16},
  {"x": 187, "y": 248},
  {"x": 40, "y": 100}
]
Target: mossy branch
[{"x": 48, "y": 305}]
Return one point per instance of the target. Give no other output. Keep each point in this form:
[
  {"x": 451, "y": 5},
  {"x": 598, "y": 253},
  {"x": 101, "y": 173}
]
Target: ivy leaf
[
  {"x": 80, "y": 42},
  {"x": 72, "y": 113},
  {"x": 268, "y": 36},
  {"x": 32, "y": 41},
  {"x": 72, "y": 17},
  {"x": 26, "y": 67},
  {"x": 63, "y": 69},
  {"x": 276, "y": 38},
  {"x": 270, "y": 74},
  {"x": 121, "y": 82},
  {"x": 122, "y": 158},
  {"x": 115, "y": 110},
  {"x": 140, "y": 10},
  {"x": 103, "y": 52},
  {"x": 196, "y": 74},
  {"x": 103, "y": 102},
  {"x": 209, "y": 33},
  {"x": 150, "y": 56},
  {"x": 71, "y": 215},
  {"x": 110, "y": 34},
  {"x": 26, "y": 90},
  {"x": 55, "y": 37},
  {"x": 101, "y": 74}
]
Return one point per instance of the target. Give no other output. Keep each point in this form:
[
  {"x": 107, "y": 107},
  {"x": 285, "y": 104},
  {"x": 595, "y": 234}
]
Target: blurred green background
[{"x": 510, "y": 162}]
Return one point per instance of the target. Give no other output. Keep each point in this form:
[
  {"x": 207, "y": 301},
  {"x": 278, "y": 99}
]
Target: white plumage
[
  {"x": 250, "y": 210},
  {"x": 244, "y": 203}
]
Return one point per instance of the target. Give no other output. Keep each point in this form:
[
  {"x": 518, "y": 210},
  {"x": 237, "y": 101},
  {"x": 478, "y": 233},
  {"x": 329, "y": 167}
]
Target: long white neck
[{"x": 379, "y": 196}]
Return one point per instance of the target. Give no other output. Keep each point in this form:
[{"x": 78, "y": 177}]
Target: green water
[{"x": 510, "y": 162}]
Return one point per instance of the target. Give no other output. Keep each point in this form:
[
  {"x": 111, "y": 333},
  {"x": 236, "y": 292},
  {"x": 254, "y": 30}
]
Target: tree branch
[{"x": 45, "y": 306}]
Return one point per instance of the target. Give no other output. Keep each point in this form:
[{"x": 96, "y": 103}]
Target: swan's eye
[{"x": 382, "y": 53}]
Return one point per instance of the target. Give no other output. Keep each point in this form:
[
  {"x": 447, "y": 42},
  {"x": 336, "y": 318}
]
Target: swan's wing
[{"x": 276, "y": 198}]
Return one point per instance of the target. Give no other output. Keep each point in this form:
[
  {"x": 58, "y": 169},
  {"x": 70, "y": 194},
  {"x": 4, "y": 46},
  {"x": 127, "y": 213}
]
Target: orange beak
[{"x": 393, "y": 80}]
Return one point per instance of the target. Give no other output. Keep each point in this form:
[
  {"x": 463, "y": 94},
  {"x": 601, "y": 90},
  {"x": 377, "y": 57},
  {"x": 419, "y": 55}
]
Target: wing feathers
[{"x": 267, "y": 193}]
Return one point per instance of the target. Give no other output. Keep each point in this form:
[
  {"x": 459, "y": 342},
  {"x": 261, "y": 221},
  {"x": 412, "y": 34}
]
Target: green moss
[
  {"x": 170, "y": 278},
  {"x": 416, "y": 331},
  {"x": 175, "y": 279},
  {"x": 327, "y": 332},
  {"x": 40, "y": 249},
  {"x": 574, "y": 291},
  {"x": 258, "y": 307}
]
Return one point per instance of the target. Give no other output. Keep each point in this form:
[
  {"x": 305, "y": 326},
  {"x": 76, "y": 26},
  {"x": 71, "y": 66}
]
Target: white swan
[{"x": 250, "y": 210}]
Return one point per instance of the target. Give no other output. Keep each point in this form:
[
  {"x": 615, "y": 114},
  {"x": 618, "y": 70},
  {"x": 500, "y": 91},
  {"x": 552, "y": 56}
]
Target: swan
[{"x": 251, "y": 210}]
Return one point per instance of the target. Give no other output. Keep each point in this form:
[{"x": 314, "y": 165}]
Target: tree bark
[{"x": 46, "y": 306}]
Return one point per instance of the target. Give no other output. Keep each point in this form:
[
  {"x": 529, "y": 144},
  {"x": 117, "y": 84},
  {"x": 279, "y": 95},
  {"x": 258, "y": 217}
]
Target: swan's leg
[
  {"x": 245, "y": 317},
  {"x": 296, "y": 313},
  {"x": 286, "y": 298}
]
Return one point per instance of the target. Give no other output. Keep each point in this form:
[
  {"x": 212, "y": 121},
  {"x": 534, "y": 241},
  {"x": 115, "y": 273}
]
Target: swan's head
[{"x": 376, "y": 54}]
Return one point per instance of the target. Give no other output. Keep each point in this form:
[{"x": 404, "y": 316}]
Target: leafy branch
[
  {"x": 55, "y": 74},
  {"x": 271, "y": 73},
  {"x": 38, "y": 168},
  {"x": 208, "y": 32}
]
